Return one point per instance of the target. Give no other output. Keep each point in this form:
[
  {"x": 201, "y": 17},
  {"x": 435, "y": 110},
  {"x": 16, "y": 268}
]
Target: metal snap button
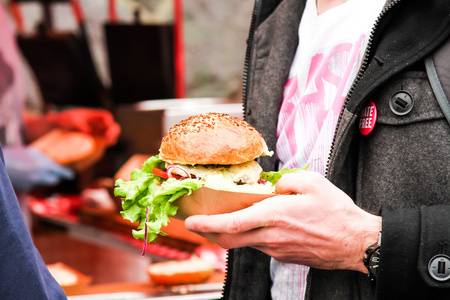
[
  {"x": 401, "y": 103},
  {"x": 439, "y": 267}
]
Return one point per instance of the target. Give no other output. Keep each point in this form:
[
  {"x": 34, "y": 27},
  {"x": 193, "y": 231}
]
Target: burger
[
  {"x": 217, "y": 146},
  {"x": 207, "y": 151}
]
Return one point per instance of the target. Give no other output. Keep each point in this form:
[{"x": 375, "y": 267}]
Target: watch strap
[{"x": 368, "y": 256}]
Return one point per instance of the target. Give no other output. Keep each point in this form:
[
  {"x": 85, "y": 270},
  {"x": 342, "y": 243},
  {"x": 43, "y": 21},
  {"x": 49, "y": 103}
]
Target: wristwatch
[{"x": 372, "y": 258}]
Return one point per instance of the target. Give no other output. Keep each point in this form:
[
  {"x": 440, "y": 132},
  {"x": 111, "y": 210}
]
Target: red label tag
[{"x": 367, "y": 118}]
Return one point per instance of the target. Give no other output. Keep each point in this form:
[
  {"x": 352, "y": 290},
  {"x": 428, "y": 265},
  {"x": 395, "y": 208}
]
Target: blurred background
[{"x": 146, "y": 63}]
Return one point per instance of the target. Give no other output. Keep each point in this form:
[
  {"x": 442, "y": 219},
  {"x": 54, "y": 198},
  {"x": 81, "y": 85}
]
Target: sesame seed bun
[{"x": 212, "y": 138}]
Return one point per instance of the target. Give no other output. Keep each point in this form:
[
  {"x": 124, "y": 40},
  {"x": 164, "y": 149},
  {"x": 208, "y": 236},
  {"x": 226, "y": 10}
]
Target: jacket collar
[{"x": 402, "y": 38}]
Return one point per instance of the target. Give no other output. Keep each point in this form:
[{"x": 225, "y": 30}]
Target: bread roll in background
[
  {"x": 77, "y": 150},
  {"x": 187, "y": 271}
]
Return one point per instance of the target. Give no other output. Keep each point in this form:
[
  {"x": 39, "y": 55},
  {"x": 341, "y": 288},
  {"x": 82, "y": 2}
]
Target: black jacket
[{"x": 401, "y": 170}]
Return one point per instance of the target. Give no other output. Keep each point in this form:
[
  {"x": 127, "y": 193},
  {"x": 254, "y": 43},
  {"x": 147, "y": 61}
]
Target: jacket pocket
[{"x": 404, "y": 161}]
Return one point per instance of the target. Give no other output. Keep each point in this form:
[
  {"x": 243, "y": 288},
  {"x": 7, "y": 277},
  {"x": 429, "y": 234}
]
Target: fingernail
[{"x": 188, "y": 224}]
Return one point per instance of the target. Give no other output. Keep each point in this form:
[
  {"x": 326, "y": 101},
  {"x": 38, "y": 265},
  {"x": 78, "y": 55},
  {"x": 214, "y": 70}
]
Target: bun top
[{"x": 212, "y": 138}]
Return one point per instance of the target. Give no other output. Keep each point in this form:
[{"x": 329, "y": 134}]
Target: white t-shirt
[{"x": 329, "y": 55}]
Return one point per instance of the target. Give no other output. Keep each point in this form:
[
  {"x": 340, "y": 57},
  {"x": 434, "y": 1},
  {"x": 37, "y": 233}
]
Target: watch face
[{"x": 374, "y": 261}]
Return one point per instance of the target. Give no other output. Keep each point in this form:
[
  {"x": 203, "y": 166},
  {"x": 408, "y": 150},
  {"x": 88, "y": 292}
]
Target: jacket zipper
[
  {"x": 248, "y": 53},
  {"x": 359, "y": 76},
  {"x": 256, "y": 7}
]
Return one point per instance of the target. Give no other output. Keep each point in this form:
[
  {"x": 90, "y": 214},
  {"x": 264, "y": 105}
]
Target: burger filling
[{"x": 245, "y": 173}]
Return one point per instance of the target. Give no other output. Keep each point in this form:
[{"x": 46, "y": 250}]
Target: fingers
[
  {"x": 231, "y": 223},
  {"x": 265, "y": 213},
  {"x": 266, "y": 239},
  {"x": 262, "y": 214},
  {"x": 231, "y": 241},
  {"x": 247, "y": 227}
]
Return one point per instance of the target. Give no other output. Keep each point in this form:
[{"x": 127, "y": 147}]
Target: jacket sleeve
[
  {"x": 23, "y": 273},
  {"x": 415, "y": 247}
]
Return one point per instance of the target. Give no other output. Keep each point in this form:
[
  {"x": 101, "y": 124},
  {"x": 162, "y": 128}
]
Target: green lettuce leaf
[{"x": 148, "y": 190}]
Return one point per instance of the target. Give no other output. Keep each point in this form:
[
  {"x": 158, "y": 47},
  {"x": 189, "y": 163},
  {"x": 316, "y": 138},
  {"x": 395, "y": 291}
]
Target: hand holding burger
[
  {"x": 310, "y": 222},
  {"x": 213, "y": 151}
]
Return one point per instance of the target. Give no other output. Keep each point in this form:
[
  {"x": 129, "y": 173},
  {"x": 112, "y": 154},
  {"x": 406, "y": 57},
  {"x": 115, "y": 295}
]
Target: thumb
[{"x": 299, "y": 183}]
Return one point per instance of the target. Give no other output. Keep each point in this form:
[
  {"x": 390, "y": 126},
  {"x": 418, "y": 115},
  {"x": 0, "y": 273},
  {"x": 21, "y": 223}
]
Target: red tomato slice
[{"x": 160, "y": 172}]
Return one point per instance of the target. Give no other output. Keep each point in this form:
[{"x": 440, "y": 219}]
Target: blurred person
[
  {"x": 27, "y": 167},
  {"x": 371, "y": 219}
]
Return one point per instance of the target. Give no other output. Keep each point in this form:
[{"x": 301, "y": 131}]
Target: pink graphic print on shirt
[{"x": 307, "y": 118}]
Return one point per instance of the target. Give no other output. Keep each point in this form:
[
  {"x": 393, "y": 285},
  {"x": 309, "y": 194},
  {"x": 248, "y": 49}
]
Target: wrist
[{"x": 369, "y": 237}]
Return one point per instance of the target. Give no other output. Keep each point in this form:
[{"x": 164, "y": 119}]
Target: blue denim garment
[{"x": 23, "y": 273}]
